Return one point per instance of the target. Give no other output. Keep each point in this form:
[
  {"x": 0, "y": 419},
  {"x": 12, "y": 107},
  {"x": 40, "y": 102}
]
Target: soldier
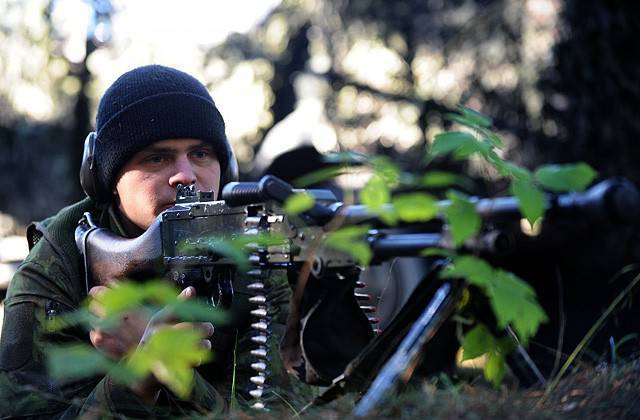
[{"x": 157, "y": 127}]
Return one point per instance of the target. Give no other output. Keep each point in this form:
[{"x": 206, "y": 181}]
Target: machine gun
[{"x": 179, "y": 243}]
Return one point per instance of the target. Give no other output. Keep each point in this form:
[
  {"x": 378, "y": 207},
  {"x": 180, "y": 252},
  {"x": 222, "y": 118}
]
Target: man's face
[{"x": 146, "y": 185}]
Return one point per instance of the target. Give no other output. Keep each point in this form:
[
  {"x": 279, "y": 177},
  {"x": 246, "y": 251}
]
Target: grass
[{"x": 600, "y": 392}]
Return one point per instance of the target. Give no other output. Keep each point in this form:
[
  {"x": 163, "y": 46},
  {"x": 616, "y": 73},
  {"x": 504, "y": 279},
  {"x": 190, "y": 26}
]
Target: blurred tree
[
  {"x": 385, "y": 72},
  {"x": 592, "y": 90},
  {"x": 43, "y": 98}
]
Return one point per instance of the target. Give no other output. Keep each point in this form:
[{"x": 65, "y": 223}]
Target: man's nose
[{"x": 183, "y": 173}]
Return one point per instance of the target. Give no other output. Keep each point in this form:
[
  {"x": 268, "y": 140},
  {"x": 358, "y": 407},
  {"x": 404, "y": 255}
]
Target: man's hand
[
  {"x": 118, "y": 341},
  {"x": 148, "y": 389}
]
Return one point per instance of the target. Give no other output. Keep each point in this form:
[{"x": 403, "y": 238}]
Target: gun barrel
[
  {"x": 615, "y": 200},
  {"x": 403, "y": 244}
]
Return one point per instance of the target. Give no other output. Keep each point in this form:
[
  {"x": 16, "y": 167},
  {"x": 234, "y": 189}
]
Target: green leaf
[
  {"x": 495, "y": 140},
  {"x": 512, "y": 284},
  {"x": 564, "y": 178},
  {"x": 526, "y": 326},
  {"x": 483, "y": 149},
  {"x": 159, "y": 291},
  {"x": 321, "y": 175},
  {"x": 346, "y": 158},
  {"x": 477, "y": 342},
  {"x": 388, "y": 215},
  {"x": 234, "y": 249},
  {"x": 170, "y": 355},
  {"x": 475, "y": 270},
  {"x": 375, "y": 193},
  {"x": 196, "y": 310},
  {"x": 437, "y": 252},
  {"x": 415, "y": 207},
  {"x": 495, "y": 367},
  {"x": 474, "y": 117},
  {"x": 464, "y": 222},
  {"x": 509, "y": 169},
  {"x": 72, "y": 362},
  {"x": 531, "y": 199},
  {"x": 121, "y": 297},
  {"x": 451, "y": 141},
  {"x": 298, "y": 203},
  {"x": 79, "y": 317},
  {"x": 351, "y": 240},
  {"x": 386, "y": 170},
  {"x": 439, "y": 179},
  {"x": 513, "y": 302}
]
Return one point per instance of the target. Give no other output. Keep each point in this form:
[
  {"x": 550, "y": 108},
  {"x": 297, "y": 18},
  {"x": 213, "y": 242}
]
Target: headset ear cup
[
  {"x": 88, "y": 173},
  {"x": 230, "y": 173}
]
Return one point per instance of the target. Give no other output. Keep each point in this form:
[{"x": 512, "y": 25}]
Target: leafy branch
[{"x": 169, "y": 354}]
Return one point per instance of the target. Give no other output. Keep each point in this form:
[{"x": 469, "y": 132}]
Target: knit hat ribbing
[{"x": 149, "y": 104}]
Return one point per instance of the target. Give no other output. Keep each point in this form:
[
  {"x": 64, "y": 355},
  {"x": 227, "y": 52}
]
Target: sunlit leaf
[
  {"x": 388, "y": 215},
  {"x": 386, "y": 170},
  {"x": 477, "y": 342},
  {"x": 438, "y": 179},
  {"x": 564, "y": 178},
  {"x": 160, "y": 291},
  {"x": 415, "y": 207},
  {"x": 531, "y": 199},
  {"x": 375, "y": 193},
  {"x": 451, "y": 141},
  {"x": 170, "y": 355},
  {"x": 122, "y": 296},
  {"x": 463, "y": 220},
  {"x": 198, "y": 310},
  {"x": 495, "y": 367},
  {"x": 351, "y": 240},
  {"x": 298, "y": 203}
]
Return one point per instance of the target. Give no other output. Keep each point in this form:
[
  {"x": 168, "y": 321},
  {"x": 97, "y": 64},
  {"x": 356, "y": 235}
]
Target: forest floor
[{"x": 601, "y": 392}]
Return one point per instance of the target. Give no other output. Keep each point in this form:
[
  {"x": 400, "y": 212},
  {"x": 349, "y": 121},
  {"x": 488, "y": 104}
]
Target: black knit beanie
[{"x": 149, "y": 104}]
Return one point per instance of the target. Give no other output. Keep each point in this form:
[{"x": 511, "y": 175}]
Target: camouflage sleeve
[
  {"x": 26, "y": 389},
  {"x": 109, "y": 398}
]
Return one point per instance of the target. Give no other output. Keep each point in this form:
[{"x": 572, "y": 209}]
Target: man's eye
[
  {"x": 155, "y": 159},
  {"x": 201, "y": 154}
]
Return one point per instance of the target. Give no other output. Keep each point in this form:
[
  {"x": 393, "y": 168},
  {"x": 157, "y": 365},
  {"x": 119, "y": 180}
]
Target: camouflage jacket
[{"x": 50, "y": 282}]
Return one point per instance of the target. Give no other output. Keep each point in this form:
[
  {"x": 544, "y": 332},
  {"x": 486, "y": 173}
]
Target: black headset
[
  {"x": 88, "y": 173},
  {"x": 97, "y": 192}
]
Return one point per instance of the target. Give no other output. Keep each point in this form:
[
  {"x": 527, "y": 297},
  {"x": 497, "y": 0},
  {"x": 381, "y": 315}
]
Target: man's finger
[
  {"x": 206, "y": 344},
  {"x": 187, "y": 293},
  {"x": 205, "y": 328},
  {"x": 96, "y": 291}
]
